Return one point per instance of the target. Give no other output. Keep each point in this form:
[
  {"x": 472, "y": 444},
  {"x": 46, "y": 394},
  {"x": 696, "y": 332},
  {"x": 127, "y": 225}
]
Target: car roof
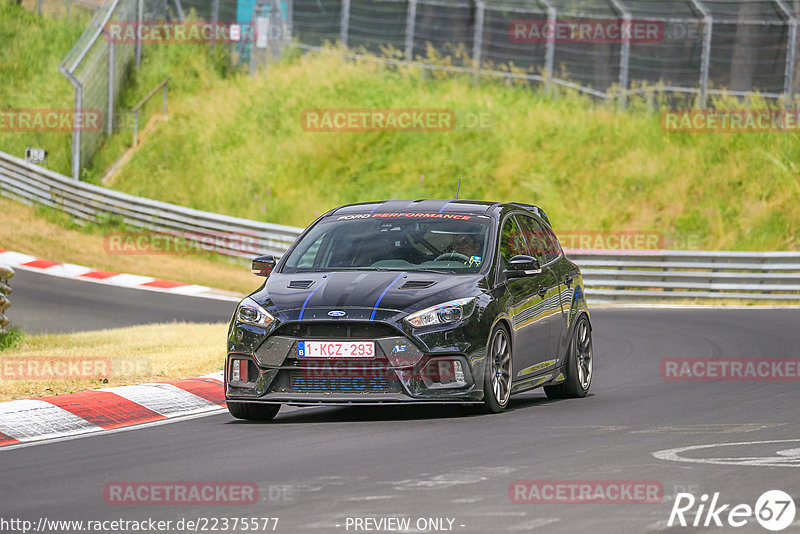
[{"x": 472, "y": 207}]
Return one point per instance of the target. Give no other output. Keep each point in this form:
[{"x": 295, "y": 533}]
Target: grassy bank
[
  {"x": 240, "y": 149},
  {"x": 106, "y": 358}
]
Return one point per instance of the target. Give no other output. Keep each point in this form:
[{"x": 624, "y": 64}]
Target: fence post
[
  {"x": 110, "y": 109},
  {"x": 791, "y": 43},
  {"x": 477, "y": 40},
  {"x": 76, "y": 135},
  {"x": 344, "y": 24},
  {"x": 215, "y": 19},
  {"x": 705, "y": 58},
  {"x": 624, "y": 53},
  {"x": 139, "y": 19},
  {"x": 550, "y": 50},
  {"x": 411, "y": 23}
]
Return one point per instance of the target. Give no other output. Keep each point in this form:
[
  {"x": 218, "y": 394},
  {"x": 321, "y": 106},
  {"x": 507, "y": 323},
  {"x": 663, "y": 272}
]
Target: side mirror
[
  {"x": 263, "y": 265},
  {"x": 522, "y": 265}
]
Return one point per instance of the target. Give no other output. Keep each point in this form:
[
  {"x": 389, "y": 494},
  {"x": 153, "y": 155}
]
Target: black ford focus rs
[{"x": 423, "y": 301}]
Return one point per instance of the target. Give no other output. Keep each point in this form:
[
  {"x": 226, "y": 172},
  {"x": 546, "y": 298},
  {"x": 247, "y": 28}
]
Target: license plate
[{"x": 335, "y": 349}]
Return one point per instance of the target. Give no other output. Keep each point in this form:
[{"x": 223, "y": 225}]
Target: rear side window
[
  {"x": 541, "y": 238},
  {"x": 532, "y": 233}
]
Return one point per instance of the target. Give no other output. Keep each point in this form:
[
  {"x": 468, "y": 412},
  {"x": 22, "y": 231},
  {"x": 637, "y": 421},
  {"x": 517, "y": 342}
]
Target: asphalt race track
[
  {"x": 317, "y": 467},
  {"x": 47, "y": 304}
]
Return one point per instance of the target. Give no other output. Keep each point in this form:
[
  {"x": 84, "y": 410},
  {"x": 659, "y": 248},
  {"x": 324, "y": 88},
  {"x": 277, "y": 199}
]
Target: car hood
[{"x": 362, "y": 295}]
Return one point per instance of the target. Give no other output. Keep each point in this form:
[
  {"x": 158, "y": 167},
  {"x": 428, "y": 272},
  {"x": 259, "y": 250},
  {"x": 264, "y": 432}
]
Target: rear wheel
[
  {"x": 497, "y": 374},
  {"x": 579, "y": 365},
  {"x": 253, "y": 412}
]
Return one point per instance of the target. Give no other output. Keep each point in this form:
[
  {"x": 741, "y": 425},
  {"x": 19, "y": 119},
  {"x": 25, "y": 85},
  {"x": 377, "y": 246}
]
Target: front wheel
[
  {"x": 253, "y": 412},
  {"x": 579, "y": 365},
  {"x": 497, "y": 374}
]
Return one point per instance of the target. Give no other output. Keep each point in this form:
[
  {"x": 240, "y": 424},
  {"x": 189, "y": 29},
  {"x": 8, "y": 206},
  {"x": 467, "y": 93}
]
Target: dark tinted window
[
  {"x": 393, "y": 241},
  {"x": 533, "y": 235},
  {"x": 512, "y": 241},
  {"x": 541, "y": 239}
]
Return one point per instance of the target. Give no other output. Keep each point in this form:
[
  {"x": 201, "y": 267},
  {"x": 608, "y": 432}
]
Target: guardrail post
[
  {"x": 344, "y": 24},
  {"x": 477, "y": 40},
  {"x": 135, "y": 128},
  {"x": 411, "y": 23}
]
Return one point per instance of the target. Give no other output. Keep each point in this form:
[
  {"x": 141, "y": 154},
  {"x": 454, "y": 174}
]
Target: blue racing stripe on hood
[
  {"x": 305, "y": 303},
  {"x": 377, "y": 303}
]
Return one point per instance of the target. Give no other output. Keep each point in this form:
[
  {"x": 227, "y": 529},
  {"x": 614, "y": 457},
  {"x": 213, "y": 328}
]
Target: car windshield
[{"x": 393, "y": 241}]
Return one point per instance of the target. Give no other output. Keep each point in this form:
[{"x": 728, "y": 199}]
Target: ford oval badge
[{"x": 337, "y": 313}]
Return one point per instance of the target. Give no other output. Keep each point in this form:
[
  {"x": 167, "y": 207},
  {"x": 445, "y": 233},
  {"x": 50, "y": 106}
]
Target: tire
[
  {"x": 497, "y": 372},
  {"x": 579, "y": 364},
  {"x": 253, "y": 412}
]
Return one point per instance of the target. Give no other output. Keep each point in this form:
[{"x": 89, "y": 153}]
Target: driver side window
[{"x": 512, "y": 241}]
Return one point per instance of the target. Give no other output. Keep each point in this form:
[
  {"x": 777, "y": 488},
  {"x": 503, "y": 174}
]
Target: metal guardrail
[
  {"x": 88, "y": 203},
  {"x": 5, "y": 290},
  {"x": 690, "y": 274},
  {"x": 608, "y": 275}
]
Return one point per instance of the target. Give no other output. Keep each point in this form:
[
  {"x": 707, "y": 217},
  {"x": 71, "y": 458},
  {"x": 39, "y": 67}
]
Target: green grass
[
  {"x": 239, "y": 149},
  {"x": 12, "y": 338},
  {"x": 32, "y": 48}
]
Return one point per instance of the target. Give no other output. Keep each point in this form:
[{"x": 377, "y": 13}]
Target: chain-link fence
[{"x": 607, "y": 48}]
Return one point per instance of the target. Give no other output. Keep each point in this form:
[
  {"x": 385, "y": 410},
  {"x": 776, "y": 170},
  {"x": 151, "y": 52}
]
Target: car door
[
  {"x": 548, "y": 304},
  {"x": 531, "y": 330},
  {"x": 567, "y": 275}
]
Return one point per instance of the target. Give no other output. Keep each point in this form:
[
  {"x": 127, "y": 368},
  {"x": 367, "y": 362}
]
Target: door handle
[
  {"x": 542, "y": 291},
  {"x": 568, "y": 280}
]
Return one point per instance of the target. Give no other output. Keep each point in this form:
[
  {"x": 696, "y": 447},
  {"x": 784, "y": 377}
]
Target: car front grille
[
  {"x": 297, "y": 381},
  {"x": 337, "y": 330}
]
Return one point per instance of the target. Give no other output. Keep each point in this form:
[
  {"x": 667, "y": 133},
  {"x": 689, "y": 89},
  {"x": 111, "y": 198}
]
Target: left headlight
[
  {"x": 250, "y": 312},
  {"x": 447, "y": 312}
]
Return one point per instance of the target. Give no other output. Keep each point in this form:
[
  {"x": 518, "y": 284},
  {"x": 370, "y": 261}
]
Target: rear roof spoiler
[{"x": 535, "y": 209}]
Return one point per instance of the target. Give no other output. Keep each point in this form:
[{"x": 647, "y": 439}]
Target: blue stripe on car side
[
  {"x": 375, "y": 308},
  {"x": 305, "y": 303},
  {"x": 445, "y": 205}
]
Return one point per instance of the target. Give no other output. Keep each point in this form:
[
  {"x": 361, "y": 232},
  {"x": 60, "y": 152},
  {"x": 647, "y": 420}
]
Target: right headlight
[
  {"x": 447, "y": 312},
  {"x": 250, "y": 312}
]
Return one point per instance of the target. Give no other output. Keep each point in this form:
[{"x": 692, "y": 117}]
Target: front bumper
[{"x": 400, "y": 373}]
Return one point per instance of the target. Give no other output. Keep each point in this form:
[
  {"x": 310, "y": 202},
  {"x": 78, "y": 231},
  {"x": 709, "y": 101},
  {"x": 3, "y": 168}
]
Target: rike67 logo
[{"x": 774, "y": 510}]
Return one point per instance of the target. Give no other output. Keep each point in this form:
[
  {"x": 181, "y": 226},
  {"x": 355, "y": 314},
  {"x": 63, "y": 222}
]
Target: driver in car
[{"x": 466, "y": 245}]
